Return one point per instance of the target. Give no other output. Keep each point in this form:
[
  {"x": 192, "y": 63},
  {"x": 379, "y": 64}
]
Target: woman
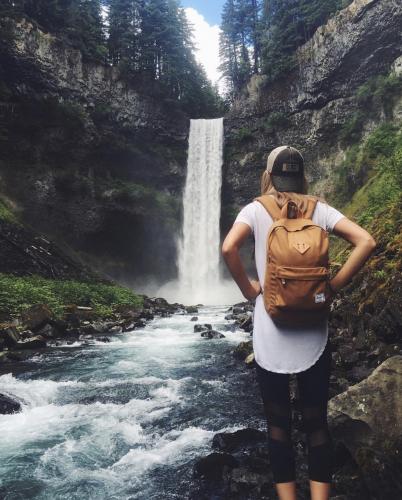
[{"x": 280, "y": 351}]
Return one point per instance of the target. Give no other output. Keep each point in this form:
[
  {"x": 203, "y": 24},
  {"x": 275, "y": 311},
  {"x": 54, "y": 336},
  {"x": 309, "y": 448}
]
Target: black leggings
[{"x": 313, "y": 385}]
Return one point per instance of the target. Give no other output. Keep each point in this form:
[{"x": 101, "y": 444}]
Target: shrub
[
  {"x": 19, "y": 293},
  {"x": 276, "y": 120}
]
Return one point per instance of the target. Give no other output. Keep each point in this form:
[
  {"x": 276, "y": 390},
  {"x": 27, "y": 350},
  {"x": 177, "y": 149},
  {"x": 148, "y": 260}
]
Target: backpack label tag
[
  {"x": 301, "y": 247},
  {"x": 319, "y": 298}
]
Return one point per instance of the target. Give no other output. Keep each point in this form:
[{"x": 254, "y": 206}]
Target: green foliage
[
  {"x": 378, "y": 154},
  {"x": 240, "y": 42},
  {"x": 382, "y": 141},
  {"x": 19, "y": 293},
  {"x": 352, "y": 129},
  {"x": 275, "y": 121},
  {"x": 145, "y": 198},
  {"x": 244, "y": 134},
  {"x": 6, "y": 214},
  {"x": 380, "y": 92}
]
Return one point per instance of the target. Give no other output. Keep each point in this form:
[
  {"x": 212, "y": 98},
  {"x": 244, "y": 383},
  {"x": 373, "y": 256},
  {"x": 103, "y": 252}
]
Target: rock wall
[{"x": 87, "y": 158}]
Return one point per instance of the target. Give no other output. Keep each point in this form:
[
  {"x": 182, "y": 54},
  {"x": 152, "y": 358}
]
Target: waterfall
[{"x": 199, "y": 245}]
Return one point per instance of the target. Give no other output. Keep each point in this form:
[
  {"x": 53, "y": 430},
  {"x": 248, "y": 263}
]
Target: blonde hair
[{"x": 281, "y": 198}]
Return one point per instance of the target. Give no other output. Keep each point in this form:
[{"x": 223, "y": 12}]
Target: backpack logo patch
[
  {"x": 301, "y": 247},
  {"x": 319, "y": 298}
]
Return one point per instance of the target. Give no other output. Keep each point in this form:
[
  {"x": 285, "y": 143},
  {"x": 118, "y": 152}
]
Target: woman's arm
[
  {"x": 230, "y": 251},
  {"x": 364, "y": 245}
]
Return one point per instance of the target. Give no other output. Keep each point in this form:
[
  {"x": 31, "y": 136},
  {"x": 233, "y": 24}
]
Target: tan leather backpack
[{"x": 295, "y": 291}]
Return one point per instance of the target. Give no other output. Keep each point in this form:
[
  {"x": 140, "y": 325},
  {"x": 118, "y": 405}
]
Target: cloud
[{"x": 206, "y": 38}]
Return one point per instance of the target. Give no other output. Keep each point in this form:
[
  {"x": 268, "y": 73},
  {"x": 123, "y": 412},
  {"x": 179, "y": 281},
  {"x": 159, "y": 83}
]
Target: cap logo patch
[{"x": 290, "y": 167}]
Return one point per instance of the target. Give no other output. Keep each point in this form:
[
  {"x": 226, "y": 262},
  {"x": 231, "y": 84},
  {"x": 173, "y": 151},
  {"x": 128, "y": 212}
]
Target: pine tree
[{"x": 240, "y": 42}]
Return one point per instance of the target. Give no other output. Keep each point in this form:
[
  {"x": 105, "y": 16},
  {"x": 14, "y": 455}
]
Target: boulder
[
  {"x": 212, "y": 334},
  {"x": 241, "y": 439},
  {"x": 213, "y": 466},
  {"x": 37, "y": 342},
  {"x": 194, "y": 318},
  {"x": 48, "y": 331},
  {"x": 243, "y": 349},
  {"x": 10, "y": 336},
  {"x": 366, "y": 422},
  {"x": 191, "y": 309},
  {"x": 201, "y": 328},
  {"x": 36, "y": 316},
  {"x": 8, "y": 405}
]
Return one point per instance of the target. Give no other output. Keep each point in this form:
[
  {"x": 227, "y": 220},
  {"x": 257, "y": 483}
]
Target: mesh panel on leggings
[
  {"x": 280, "y": 442},
  {"x": 319, "y": 442}
]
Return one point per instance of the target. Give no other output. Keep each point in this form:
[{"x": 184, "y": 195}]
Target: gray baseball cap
[{"x": 286, "y": 166}]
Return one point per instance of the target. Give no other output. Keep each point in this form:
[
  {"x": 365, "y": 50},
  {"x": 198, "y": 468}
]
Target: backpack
[{"x": 295, "y": 291}]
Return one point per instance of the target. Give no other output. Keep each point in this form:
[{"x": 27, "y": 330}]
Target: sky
[{"x": 205, "y": 16}]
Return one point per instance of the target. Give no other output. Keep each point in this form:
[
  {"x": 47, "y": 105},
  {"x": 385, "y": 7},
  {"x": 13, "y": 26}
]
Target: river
[{"x": 125, "y": 419}]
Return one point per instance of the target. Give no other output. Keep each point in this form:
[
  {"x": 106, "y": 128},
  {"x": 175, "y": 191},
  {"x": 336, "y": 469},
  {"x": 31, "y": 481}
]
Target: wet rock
[
  {"x": 116, "y": 329},
  {"x": 241, "y": 439},
  {"x": 212, "y": 334},
  {"x": 48, "y": 331},
  {"x": 103, "y": 339},
  {"x": 229, "y": 328},
  {"x": 10, "y": 336},
  {"x": 26, "y": 334},
  {"x": 214, "y": 466},
  {"x": 201, "y": 328},
  {"x": 3, "y": 357},
  {"x": 8, "y": 405},
  {"x": 191, "y": 309},
  {"x": 99, "y": 327},
  {"x": 349, "y": 356},
  {"x": 244, "y": 473},
  {"x": 247, "y": 324},
  {"x": 147, "y": 314},
  {"x": 366, "y": 421},
  {"x": 75, "y": 315},
  {"x": 73, "y": 333},
  {"x": 250, "y": 360},
  {"x": 37, "y": 342},
  {"x": 359, "y": 373},
  {"x": 194, "y": 318},
  {"x": 36, "y": 316},
  {"x": 243, "y": 350}
]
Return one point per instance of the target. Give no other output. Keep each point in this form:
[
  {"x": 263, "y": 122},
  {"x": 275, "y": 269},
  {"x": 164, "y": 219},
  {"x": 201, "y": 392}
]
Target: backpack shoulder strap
[
  {"x": 308, "y": 214},
  {"x": 270, "y": 206}
]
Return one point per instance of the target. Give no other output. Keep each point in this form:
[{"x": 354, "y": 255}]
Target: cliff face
[
  {"x": 310, "y": 108},
  {"x": 88, "y": 159}
]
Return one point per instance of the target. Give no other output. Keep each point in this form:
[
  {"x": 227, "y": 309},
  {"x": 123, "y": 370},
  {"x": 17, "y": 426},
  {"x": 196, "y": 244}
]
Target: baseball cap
[{"x": 286, "y": 166}]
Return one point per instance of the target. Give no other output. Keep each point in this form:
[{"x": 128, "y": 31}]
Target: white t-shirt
[{"x": 283, "y": 349}]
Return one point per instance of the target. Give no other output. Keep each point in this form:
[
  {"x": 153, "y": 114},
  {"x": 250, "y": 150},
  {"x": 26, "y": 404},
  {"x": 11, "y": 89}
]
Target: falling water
[{"x": 198, "y": 257}]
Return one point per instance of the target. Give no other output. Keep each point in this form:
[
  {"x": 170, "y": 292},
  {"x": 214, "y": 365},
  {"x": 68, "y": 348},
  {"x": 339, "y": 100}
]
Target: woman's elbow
[
  {"x": 370, "y": 243},
  {"x": 227, "y": 249}
]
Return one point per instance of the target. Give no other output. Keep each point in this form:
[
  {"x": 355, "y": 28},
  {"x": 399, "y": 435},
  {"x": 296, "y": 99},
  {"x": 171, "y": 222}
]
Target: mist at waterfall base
[{"x": 198, "y": 261}]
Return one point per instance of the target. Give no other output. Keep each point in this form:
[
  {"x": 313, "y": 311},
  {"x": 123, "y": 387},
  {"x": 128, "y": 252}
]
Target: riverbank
[{"x": 39, "y": 326}]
